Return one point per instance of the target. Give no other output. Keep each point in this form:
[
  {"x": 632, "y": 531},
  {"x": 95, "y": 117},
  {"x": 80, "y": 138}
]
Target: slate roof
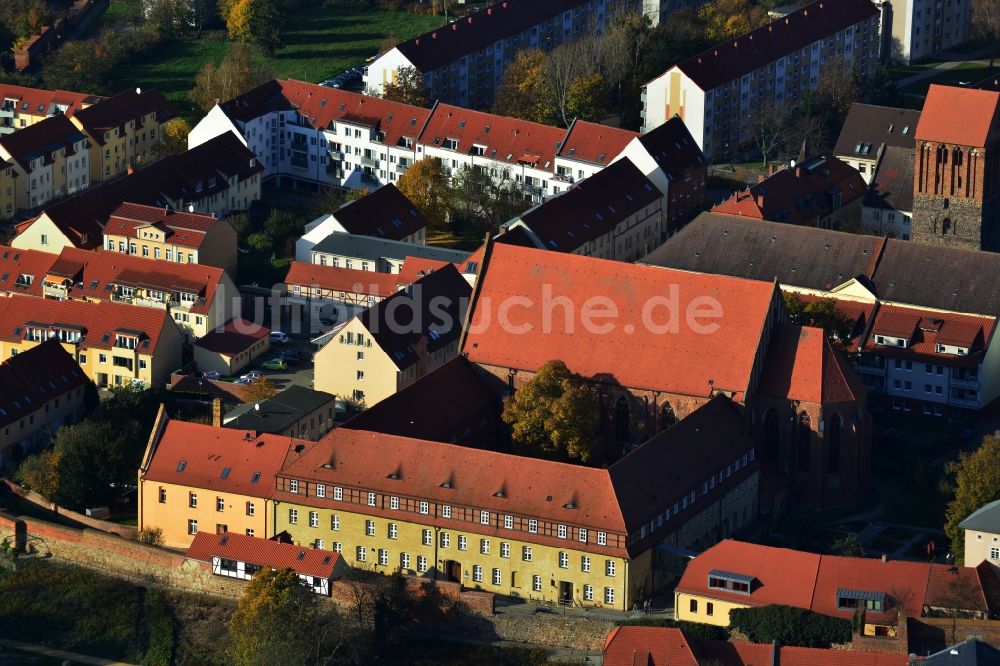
[
  {"x": 868, "y": 127},
  {"x": 984, "y": 519},
  {"x": 34, "y": 377},
  {"x": 384, "y": 213},
  {"x": 673, "y": 149},
  {"x": 970, "y": 652},
  {"x": 892, "y": 184},
  {"x": 366, "y": 247},
  {"x": 263, "y": 552},
  {"x": 115, "y": 111},
  {"x": 41, "y": 140},
  {"x": 958, "y": 115},
  {"x": 281, "y": 411},
  {"x": 238, "y": 335},
  {"x": 730, "y": 60}
]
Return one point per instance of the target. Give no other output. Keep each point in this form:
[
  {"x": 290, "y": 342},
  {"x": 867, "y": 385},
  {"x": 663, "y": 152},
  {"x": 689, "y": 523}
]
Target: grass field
[{"x": 319, "y": 42}]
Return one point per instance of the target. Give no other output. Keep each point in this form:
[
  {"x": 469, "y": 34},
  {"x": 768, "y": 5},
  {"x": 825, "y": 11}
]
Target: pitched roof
[
  {"x": 508, "y": 140},
  {"x": 673, "y": 149},
  {"x": 593, "y": 143},
  {"x": 280, "y": 411},
  {"x": 366, "y": 247},
  {"x": 452, "y": 403},
  {"x": 798, "y": 195},
  {"x": 264, "y": 98},
  {"x": 648, "y": 646},
  {"x": 802, "y": 365},
  {"x": 41, "y": 140},
  {"x": 263, "y": 552},
  {"x": 732, "y": 59},
  {"x": 892, "y": 184},
  {"x": 384, "y": 213},
  {"x": 236, "y": 336},
  {"x": 34, "y": 377},
  {"x": 970, "y": 652},
  {"x": 958, "y": 115},
  {"x": 337, "y": 278},
  {"x": 431, "y": 311},
  {"x": 592, "y": 208},
  {"x": 924, "y": 330},
  {"x": 99, "y": 323},
  {"x": 536, "y": 335},
  {"x": 129, "y": 105},
  {"x": 868, "y": 127},
  {"x": 233, "y": 461},
  {"x": 479, "y": 30},
  {"x": 181, "y": 227},
  {"x": 38, "y": 101},
  {"x": 984, "y": 519}
]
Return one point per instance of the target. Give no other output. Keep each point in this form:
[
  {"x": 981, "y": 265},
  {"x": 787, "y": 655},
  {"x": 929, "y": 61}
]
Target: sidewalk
[
  {"x": 61, "y": 654},
  {"x": 952, "y": 60}
]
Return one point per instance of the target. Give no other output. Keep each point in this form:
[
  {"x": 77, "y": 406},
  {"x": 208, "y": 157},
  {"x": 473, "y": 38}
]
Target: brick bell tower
[{"x": 957, "y": 169}]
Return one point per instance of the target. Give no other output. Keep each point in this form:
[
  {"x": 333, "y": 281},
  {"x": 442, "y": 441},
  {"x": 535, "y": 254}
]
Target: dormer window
[
  {"x": 853, "y": 599},
  {"x": 450, "y": 144},
  {"x": 730, "y": 581}
]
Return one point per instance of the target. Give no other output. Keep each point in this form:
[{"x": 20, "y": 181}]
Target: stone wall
[
  {"x": 39, "y": 501},
  {"x": 961, "y": 224}
]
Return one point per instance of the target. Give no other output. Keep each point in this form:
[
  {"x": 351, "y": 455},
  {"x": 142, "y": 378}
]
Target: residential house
[
  {"x": 396, "y": 341},
  {"x": 937, "y": 289},
  {"x": 887, "y": 209},
  {"x": 955, "y": 199},
  {"x": 734, "y": 574},
  {"x": 375, "y": 254},
  {"x": 716, "y": 91},
  {"x": 124, "y": 130},
  {"x": 820, "y": 192},
  {"x": 239, "y": 556},
  {"x": 230, "y": 348},
  {"x": 982, "y": 535},
  {"x": 171, "y": 235},
  {"x": 216, "y": 178},
  {"x": 297, "y": 412},
  {"x": 667, "y": 646},
  {"x": 115, "y": 344},
  {"x": 614, "y": 214},
  {"x": 49, "y": 160},
  {"x": 41, "y": 390},
  {"x": 21, "y": 107},
  {"x": 777, "y": 369},
  {"x": 225, "y": 485},
  {"x": 331, "y": 293},
  {"x": 869, "y": 130},
  {"x": 463, "y": 62},
  {"x": 8, "y": 199},
  {"x": 913, "y": 30},
  {"x": 588, "y": 147},
  {"x": 534, "y": 529}
]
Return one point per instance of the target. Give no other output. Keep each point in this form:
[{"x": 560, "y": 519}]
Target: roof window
[{"x": 719, "y": 579}]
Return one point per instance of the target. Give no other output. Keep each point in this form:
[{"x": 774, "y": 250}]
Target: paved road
[
  {"x": 952, "y": 61},
  {"x": 72, "y": 657}
]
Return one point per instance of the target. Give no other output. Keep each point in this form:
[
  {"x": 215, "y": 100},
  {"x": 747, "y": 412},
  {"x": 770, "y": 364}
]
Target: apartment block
[
  {"x": 919, "y": 29},
  {"x": 715, "y": 91},
  {"x": 463, "y": 62},
  {"x": 22, "y": 107},
  {"x": 49, "y": 160}
]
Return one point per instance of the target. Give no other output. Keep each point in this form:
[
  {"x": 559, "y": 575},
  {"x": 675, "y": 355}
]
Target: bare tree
[
  {"x": 564, "y": 65},
  {"x": 986, "y": 24},
  {"x": 766, "y": 124}
]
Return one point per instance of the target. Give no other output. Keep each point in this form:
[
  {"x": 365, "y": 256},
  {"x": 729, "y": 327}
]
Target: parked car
[
  {"x": 275, "y": 363},
  {"x": 277, "y": 337},
  {"x": 250, "y": 376},
  {"x": 211, "y": 374},
  {"x": 291, "y": 356},
  {"x": 241, "y": 381}
]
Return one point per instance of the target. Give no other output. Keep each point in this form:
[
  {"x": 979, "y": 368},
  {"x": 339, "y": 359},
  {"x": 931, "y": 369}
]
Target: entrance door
[
  {"x": 454, "y": 570},
  {"x": 565, "y": 592}
]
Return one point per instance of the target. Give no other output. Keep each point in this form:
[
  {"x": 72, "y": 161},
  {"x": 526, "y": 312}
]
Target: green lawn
[
  {"x": 319, "y": 42},
  {"x": 967, "y": 72}
]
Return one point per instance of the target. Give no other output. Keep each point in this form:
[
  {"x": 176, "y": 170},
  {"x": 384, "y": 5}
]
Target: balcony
[
  {"x": 299, "y": 160},
  {"x": 964, "y": 383},
  {"x": 369, "y": 162},
  {"x": 401, "y": 168},
  {"x": 564, "y": 178},
  {"x": 54, "y": 291},
  {"x": 870, "y": 370},
  {"x": 137, "y": 300},
  {"x": 335, "y": 154},
  {"x": 961, "y": 402}
]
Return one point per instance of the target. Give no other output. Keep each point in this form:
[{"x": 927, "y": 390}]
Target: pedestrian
[{"x": 647, "y": 606}]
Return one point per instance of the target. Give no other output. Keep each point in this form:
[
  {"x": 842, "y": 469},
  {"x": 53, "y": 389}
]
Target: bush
[
  {"x": 790, "y": 626},
  {"x": 701, "y": 632},
  {"x": 160, "y": 647},
  {"x": 151, "y": 535}
]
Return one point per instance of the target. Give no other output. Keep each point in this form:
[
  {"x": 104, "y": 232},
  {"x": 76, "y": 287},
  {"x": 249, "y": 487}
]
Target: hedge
[
  {"x": 790, "y": 626},
  {"x": 701, "y": 632}
]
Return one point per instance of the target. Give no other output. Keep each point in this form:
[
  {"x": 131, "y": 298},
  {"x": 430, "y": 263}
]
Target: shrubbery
[
  {"x": 790, "y": 626},
  {"x": 701, "y": 632}
]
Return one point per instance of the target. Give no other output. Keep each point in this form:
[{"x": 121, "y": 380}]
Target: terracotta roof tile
[
  {"x": 589, "y": 142},
  {"x": 336, "y": 278},
  {"x": 648, "y": 646},
  {"x": 181, "y": 227},
  {"x": 38, "y": 101},
  {"x": 924, "y": 329},
  {"x": 263, "y": 552},
  {"x": 802, "y": 365},
  {"x": 958, "y": 115},
  {"x": 236, "y": 336},
  {"x": 34, "y": 377}
]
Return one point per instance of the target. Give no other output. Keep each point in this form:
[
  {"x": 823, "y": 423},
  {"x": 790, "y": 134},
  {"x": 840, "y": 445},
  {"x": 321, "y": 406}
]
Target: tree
[
  {"x": 93, "y": 466},
  {"x": 523, "y": 92},
  {"x": 388, "y": 43},
  {"x": 259, "y": 389},
  {"x": 173, "y": 137},
  {"x": 260, "y": 241},
  {"x": 171, "y": 18},
  {"x": 555, "y": 415},
  {"x": 486, "y": 201},
  {"x": 766, "y": 124},
  {"x": 40, "y": 473},
  {"x": 278, "y": 620},
  {"x": 23, "y": 18},
  {"x": 408, "y": 86},
  {"x": 790, "y": 626},
  {"x": 838, "y": 89},
  {"x": 563, "y": 66},
  {"x": 587, "y": 98},
  {"x": 426, "y": 185},
  {"x": 986, "y": 24},
  {"x": 821, "y": 313},
  {"x": 240, "y": 70},
  {"x": 880, "y": 88},
  {"x": 973, "y": 480},
  {"x": 849, "y": 545},
  {"x": 256, "y": 22},
  {"x": 728, "y": 19},
  {"x": 623, "y": 47},
  {"x": 78, "y": 65},
  {"x": 283, "y": 227}
]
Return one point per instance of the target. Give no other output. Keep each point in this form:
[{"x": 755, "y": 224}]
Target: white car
[
  {"x": 279, "y": 337},
  {"x": 250, "y": 376}
]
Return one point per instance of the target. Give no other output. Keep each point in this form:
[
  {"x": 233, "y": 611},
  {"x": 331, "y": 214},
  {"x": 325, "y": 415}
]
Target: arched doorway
[
  {"x": 667, "y": 416},
  {"x": 772, "y": 435},
  {"x": 622, "y": 420},
  {"x": 832, "y": 438},
  {"x": 805, "y": 440}
]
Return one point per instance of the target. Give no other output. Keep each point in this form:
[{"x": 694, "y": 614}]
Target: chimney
[
  {"x": 885, "y": 558},
  {"x": 798, "y": 172},
  {"x": 760, "y": 178},
  {"x": 770, "y": 170},
  {"x": 760, "y": 201},
  {"x": 217, "y": 413}
]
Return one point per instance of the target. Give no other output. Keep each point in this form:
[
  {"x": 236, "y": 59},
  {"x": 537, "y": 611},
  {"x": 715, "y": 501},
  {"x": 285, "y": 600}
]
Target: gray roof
[
  {"x": 970, "y": 652},
  {"x": 366, "y": 247},
  {"x": 868, "y": 127},
  {"x": 984, "y": 519},
  {"x": 944, "y": 278},
  {"x": 892, "y": 183},
  {"x": 280, "y": 412}
]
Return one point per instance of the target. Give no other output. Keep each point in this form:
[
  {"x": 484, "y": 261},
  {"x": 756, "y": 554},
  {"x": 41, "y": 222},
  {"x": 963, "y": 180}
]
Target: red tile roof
[
  {"x": 207, "y": 452},
  {"x": 801, "y": 656},
  {"x": 263, "y": 552},
  {"x": 963, "y": 116},
  {"x": 589, "y": 142},
  {"x": 115, "y": 111},
  {"x": 414, "y": 268},
  {"x": 799, "y": 195},
  {"x": 40, "y": 101},
  {"x": 857, "y": 313},
  {"x": 99, "y": 321},
  {"x": 238, "y": 335},
  {"x": 924, "y": 329},
  {"x": 181, "y": 227},
  {"x": 507, "y": 140},
  {"x": 803, "y": 365},
  {"x": 34, "y": 377},
  {"x": 723, "y": 359},
  {"x": 384, "y": 213},
  {"x": 348, "y": 280},
  {"x": 730, "y": 60},
  {"x": 648, "y": 646}
]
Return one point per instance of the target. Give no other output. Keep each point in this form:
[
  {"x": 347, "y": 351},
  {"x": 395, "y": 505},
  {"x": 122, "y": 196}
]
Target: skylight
[{"x": 181, "y": 465}]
